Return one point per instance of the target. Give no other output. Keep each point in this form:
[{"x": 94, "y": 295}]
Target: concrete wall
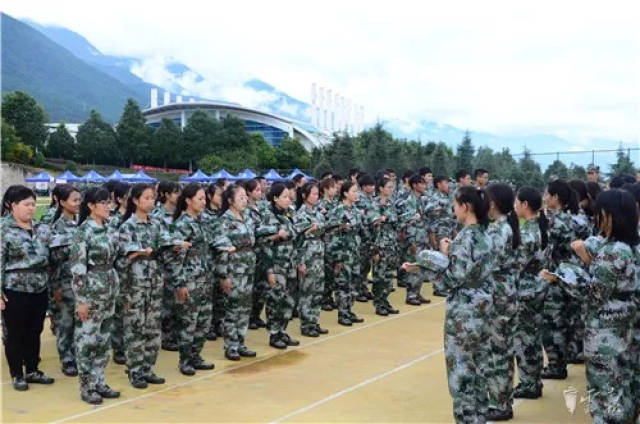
[{"x": 13, "y": 174}]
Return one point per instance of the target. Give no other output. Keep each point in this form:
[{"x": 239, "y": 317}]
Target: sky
[{"x": 567, "y": 68}]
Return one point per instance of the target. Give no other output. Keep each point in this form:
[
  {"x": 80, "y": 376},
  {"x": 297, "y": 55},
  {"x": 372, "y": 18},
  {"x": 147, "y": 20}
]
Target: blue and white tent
[
  {"x": 116, "y": 175},
  {"x": 298, "y": 172},
  {"x": 197, "y": 177},
  {"x": 93, "y": 176},
  {"x": 247, "y": 174},
  {"x": 223, "y": 175},
  {"x": 140, "y": 177},
  {"x": 42, "y": 177},
  {"x": 272, "y": 176},
  {"x": 68, "y": 177}
]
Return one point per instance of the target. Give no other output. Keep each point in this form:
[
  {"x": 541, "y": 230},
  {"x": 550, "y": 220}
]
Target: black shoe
[
  {"x": 246, "y": 352},
  {"x": 356, "y": 319},
  {"x": 260, "y": 323},
  {"x": 392, "y": 289},
  {"x": 212, "y": 336},
  {"x": 289, "y": 341},
  {"x": 551, "y": 374},
  {"x": 186, "y": 368},
  {"x": 152, "y": 378},
  {"x": 321, "y": 330},
  {"x": 309, "y": 332},
  {"x": 402, "y": 284},
  {"x": 345, "y": 321},
  {"x": 369, "y": 295},
  {"x": 392, "y": 310},
  {"x": 107, "y": 392},
  {"x": 253, "y": 325},
  {"x": 327, "y": 307},
  {"x": 439, "y": 293},
  {"x": 576, "y": 360},
  {"x": 19, "y": 384},
  {"x": 120, "y": 359},
  {"x": 200, "y": 364},
  {"x": 38, "y": 377},
  {"x": 423, "y": 300},
  {"x": 232, "y": 355},
  {"x": 362, "y": 298},
  {"x": 91, "y": 397},
  {"x": 496, "y": 415},
  {"x": 519, "y": 392},
  {"x": 69, "y": 370},
  {"x": 277, "y": 342},
  {"x": 137, "y": 381},
  {"x": 295, "y": 314},
  {"x": 414, "y": 302},
  {"x": 382, "y": 312}
]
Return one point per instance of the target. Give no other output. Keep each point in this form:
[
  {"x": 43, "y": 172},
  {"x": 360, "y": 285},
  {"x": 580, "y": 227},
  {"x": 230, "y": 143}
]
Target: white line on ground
[{"x": 226, "y": 370}]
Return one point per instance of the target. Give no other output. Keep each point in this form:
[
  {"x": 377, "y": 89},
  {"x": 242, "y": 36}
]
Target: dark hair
[
  {"x": 110, "y": 186},
  {"x": 621, "y": 179},
  {"x": 325, "y": 184},
  {"x": 407, "y": 176},
  {"x": 188, "y": 192},
  {"x": 533, "y": 197},
  {"x": 327, "y": 174},
  {"x": 93, "y": 195},
  {"x": 63, "y": 194},
  {"x": 304, "y": 192},
  {"x": 479, "y": 172},
  {"x": 567, "y": 197},
  {"x": 366, "y": 180},
  {"x": 390, "y": 171},
  {"x": 291, "y": 185},
  {"x": 415, "y": 179},
  {"x": 383, "y": 182},
  {"x": 439, "y": 179},
  {"x": 120, "y": 190},
  {"x": 15, "y": 194},
  {"x": 55, "y": 193},
  {"x": 337, "y": 177},
  {"x": 461, "y": 174},
  {"x": 634, "y": 189},
  {"x": 211, "y": 191},
  {"x": 275, "y": 191},
  {"x": 502, "y": 195},
  {"x": 594, "y": 190},
  {"x": 474, "y": 197},
  {"x": 227, "y": 197},
  {"x": 250, "y": 185},
  {"x": 346, "y": 186},
  {"x": 424, "y": 170},
  {"x": 296, "y": 178},
  {"x": 136, "y": 193},
  {"x": 165, "y": 188},
  {"x": 354, "y": 171},
  {"x": 623, "y": 209},
  {"x": 260, "y": 178}
]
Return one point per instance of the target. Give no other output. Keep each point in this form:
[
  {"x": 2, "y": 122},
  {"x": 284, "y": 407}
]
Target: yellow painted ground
[{"x": 384, "y": 370}]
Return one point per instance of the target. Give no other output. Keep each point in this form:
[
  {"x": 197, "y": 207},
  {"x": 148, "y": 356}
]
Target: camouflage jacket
[
  {"x": 581, "y": 226},
  {"x": 94, "y": 248},
  {"x": 238, "y": 233},
  {"x": 324, "y": 206},
  {"x": 440, "y": 211},
  {"x": 195, "y": 262},
  {"x": 531, "y": 260},
  {"x": 385, "y": 241},
  {"x": 47, "y": 218},
  {"x": 62, "y": 232},
  {"x": 505, "y": 271},
  {"x": 410, "y": 218},
  {"x": 309, "y": 247},
  {"x": 342, "y": 243},
  {"x": 281, "y": 254},
  {"x": 367, "y": 206},
  {"x": 25, "y": 257},
  {"x": 561, "y": 235}
]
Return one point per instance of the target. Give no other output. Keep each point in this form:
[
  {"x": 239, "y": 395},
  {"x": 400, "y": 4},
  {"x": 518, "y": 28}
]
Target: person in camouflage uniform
[
  {"x": 370, "y": 219},
  {"x": 343, "y": 244},
  {"x": 281, "y": 267},
  {"x": 23, "y": 298},
  {"x": 235, "y": 270},
  {"x": 561, "y": 201},
  {"x": 532, "y": 256},
  {"x": 328, "y": 189},
  {"x": 385, "y": 248},
  {"x": 95, "y": 288},
  {"x": 309, "y": 225},
  {"x": 608, "y": 291},
  {"x": 189, "y": 280},
  {"x": 466, "y": 263},
  {"x": 440, "y": 218},
  {"x": 412, "y": 228},
  {"x": 142, "y": 241},
  {"x": 504, "y": 232},
  {"x": 399, "y": 199},
  {"x": 63, "y": 227}
]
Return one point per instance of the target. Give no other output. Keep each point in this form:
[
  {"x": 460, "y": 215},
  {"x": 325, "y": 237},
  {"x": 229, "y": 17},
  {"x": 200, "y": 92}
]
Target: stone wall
[{"x": 13, "y": 174}]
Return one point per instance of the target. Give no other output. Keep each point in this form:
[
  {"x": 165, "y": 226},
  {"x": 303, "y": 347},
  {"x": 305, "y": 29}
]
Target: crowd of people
[{"x": 126, "y": 270}]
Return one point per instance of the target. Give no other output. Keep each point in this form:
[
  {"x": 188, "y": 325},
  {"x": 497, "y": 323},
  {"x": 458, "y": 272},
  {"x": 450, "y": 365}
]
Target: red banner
[{"x": 156, "y": 169}]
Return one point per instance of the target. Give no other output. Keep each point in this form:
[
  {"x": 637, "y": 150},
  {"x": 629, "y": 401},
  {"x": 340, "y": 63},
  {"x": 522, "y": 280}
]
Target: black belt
[
  {"x": 26, "y": 271},
  {"x": 100, "y": 267}
]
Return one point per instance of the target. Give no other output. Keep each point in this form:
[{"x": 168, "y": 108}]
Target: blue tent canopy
[
  {"x": 140, "y": 177},
  {"x": 115, "y": 176},
  {"x": 197, "y": 177},
  {"x": 42, "y": 177},
  {"x": 69, "y": 177},
  {"x": 247, "y": 174},
  {"x": 93, "y": 176},
  {"x": 298, "y": 172},
  {"x": 223, "y": 175},
  {"x": 272, "y": 175}
]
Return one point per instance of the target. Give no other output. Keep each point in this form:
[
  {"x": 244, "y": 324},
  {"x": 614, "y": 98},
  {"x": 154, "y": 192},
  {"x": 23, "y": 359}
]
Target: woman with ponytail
[
  {"x": 504, "y": 231},
  {"x": 328, "y": 189},
  {"x": 561, "y": 202},
  {"x": 466, "y": 264},
  {"x": 47, "y": 218},
  {"x": 120, "y": 195},
  {"x": 142, "y": 240},
  {"x": 532, "y": 257},
  {"x": 63, "y": 227},
  {"x": 95, "y": 288}
]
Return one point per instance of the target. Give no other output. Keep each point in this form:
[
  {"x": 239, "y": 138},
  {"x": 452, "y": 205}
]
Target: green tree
[
  {"x": 556, "y": 170},
  {"x": 199, "y": 136},
  {"x": 485, "y": 159},
  {"x": 96, "y": 141},
  {"x": 623, "y": 165},
  {"x": 529, "y": 173},
  {"x": 13, "y": 149},
  {"x": 374, "y": 144},
  {"x": 61, "y": 144},
  {"x": 27, "y": 118},
  {"x": 440, "y": 164},
  {"x": 292, "y": 155},
  {"x": 506, "y": 167},
  {"x": 464, "y": 154},
  {"x": 133, "y": 135},
  {"x": 167, "y": 144},
  {"x": 577, "y": 172},
  {"x": 266, "y": 154}
]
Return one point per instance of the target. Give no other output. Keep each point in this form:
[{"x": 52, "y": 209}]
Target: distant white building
[{"x": 72, "y": 128}]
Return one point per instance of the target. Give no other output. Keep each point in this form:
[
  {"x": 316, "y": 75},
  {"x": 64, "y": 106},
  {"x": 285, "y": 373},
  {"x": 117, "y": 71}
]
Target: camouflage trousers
[
  {"x": 237, "y": 308},
  {"x": 311, "y": 290},
  {"x": 465, "y": 361},
  {"x": 142, "y": 325},
  {"x": 92, "y": 337},
  {"x": 194, "y": 318},
  {"x": 500, "y": 370},
  {"x": 609, "y": 365},
  {"x": 383, "y": 272},
  {"x": 169, "y": 315},
  {"x": 575, "y": 329},
  {"x": 635, "y": 354},
  {"x": 117, "y": 331},
  {"x": 329, "y": 282},
  {"x": 64, "y": 317},
  {"x": 527, "y": 340},
  {"x": 440, "y": 232},
  {"x": 217, "y": 306},
  {"x": 260, "y": 289},
  {"x": 555, "y": 325},
  {"x": 344, "y": 280},
  {"x": 279, "y": 306},
  {"x": 414, "y": 280},
  {"x": 362, "y": 279}
]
